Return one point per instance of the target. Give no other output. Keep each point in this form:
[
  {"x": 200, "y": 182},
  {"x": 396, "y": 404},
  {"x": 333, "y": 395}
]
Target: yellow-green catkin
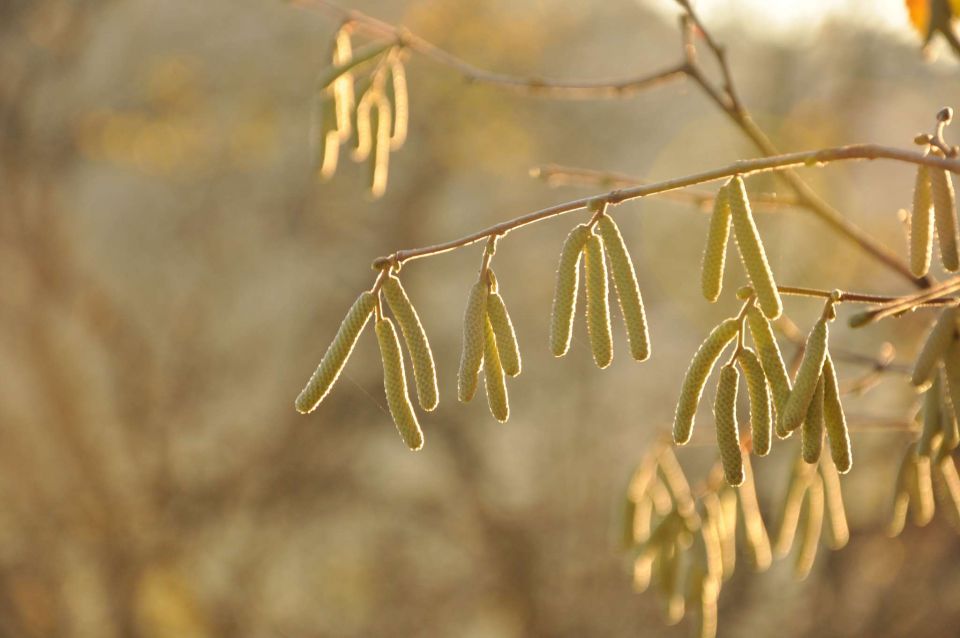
[
  {"x": 805, "y": 383},
  {"x": 363, "y": 128},
  {"x": 711, "y": 531},
  {"x": 398, "y": 97},
  {"x": 951, "y": 369},
  {"x": 424, "y": 369},
  {"x": 935, "y": 347},
  {"x": 343, "y": 85},
  {"x": 945, "y": 215},
  {"x": 715, "y": 252},
  {"x": 727, "y": 528},
  {"x": 753, "y": 526},
  {"x": 725, "y": 415},
  {"x": 565, "y": 293},
  {"x": 921, "y": 224},
  {"x": 770, "y": 357},
  {"x": 790, "y": 511},
  {"x": 676, "y": 482},
  {"x": 949, "y": 489},
  {"x": 379, "y": 160},
  {"x": 921, "y": 491},
  {"x": 901, "y": 492},
  {"x": 811, "y": 433},
  {"x": 932, "y": 417},
  {"x": 598, "y": 303},
  {"x": 628, "y": 291},
  {"x": 324, "y": 137},
  {"x": 474, "y": 341},
  {"x": 507, "y": 344},
  {"x": 834, "y": 420},
  {"x": 494, "y": 378},
  {"x": 696, "y": 377},
  {"x": 833, "y": 501},
  {"x": 667, "y": 566},
  {"x": 337, "y": 353},
  {"x": 395, "y": 385},
  {"x": 751, "y": 249},
  {"x": 811, "y": 525},
  {"x": 761, "y": 423}
]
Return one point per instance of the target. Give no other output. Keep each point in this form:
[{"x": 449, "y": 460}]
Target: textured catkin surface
[
  {"x": 715, "y": 252},
  {"x": 790, "y": 511},
  {"x": 811, "y": 432},
  {"x": 945, "y": 215},
  {"x": 761, "y": 423},
  {"x": 696, "y": 377},
  {"x": 938, "y": 341},
  {"x": 395, "y": 385},
  {"x": 474, "y": 338},
  {"x": 628, "y": 291},
  {"x": 751, "y": 250},
  {"x": 493, "y": 377},
  {"x": 337, "y": 353},
  {"x": 565, "y": 292},
  {"x": 921, "y": 223},
  {"x": 834, "y": 420},
  {"x": 807, "y": 378},
  {"x": 424, "y": 369},
  {"x": 725, "y": 416},
  {"x": 951, "y": 368},
  {"x": 811, "y": 524},
  {"x": 835, "y": 509},
  {"x": 398, "y": 98},
  {"x": 507, "y": 344},
  {"x": 598, "y": 302},
  {"x": 932, "y": 417},
  {"x": 770, "y": 358}
]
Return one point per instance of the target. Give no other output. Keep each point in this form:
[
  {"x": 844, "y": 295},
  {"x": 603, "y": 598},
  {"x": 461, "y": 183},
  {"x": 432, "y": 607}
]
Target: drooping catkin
[
  {"x": 363, "y": 126},
  {"x": 935, "y": 347},
  {"x": 507, "y": 344},
  {"x": 710, "y": 531},
  {"x": 715, "y": 252},
  {"x": 424, "y": 369},
  {"x": 474, "y": 341},
  {"x": 379, "y": 160},
  {"x": 834, "y": 421},
  {"x": 811, "y": 432},
  {"x": 945, "y": 215},
  {"x": 676, "y": 482},
  {"x": 667, "y": 567},
  {"x": 725, "y": 415},
  {"x": 951, "y": 393},
  {"x": 628, "y": 291},
  {"x": 642, "y": 519},
  {"x": 598, "y": 303},
  {"x": 833, "y": 500},
  {"x": 901, "y": 492},
  {"x": 921, "y": 491},
  {"x": 727, "y": 528},
  {"x": 770, "y": 357},
  {"x": 808, "y": 375},
  {"x": 790, "y": 512},
  {"x": 343, "y": 85},
  {"x": 565, "y": 293},
  {"x": 921, "y": 223},
  {"x": 949, "y": 489},
  {"x": 751, "y": 249},
  {"x": 760, "y": 422},
  {"x": 753, "y": 526},
  {"x": 696, "y": 377},
  {"x": 493, "y": 377},
  {"x": 324, "y": 138},
  {"x": 811, "y": 525},
  {"x": 337, "y": 353},
  {"x": 932, "y": 416},
  {"x": 399, "y": 100},
  {"x": 395, "y": 385}
]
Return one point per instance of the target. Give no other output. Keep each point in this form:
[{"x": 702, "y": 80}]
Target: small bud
[{"x": 945, "y": 115}]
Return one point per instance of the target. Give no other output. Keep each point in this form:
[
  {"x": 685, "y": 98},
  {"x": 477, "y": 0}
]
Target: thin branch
[
  {"x": 743, "y": 168},
  {"x": 904, "y": 304}
]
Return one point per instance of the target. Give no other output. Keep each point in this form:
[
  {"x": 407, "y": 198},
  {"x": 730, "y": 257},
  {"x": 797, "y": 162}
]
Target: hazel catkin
[
  {"x": 938, "y": 341},
  {"x": 494, "y": 378},
  {"x": 696, "y": 377},
  {"x": 834, "y": 420},
  {"x": 760, "y": 421},
  {"x": 834, "y": 507},
  {"x": 811, "y": 432},
  {"x": 507, "y": 344},
  {"x": 725, "y": 415},
  {"x": 337, "y": 353},
  {"x": 751, "y": 249},
  {"x": 395, "y": 385},
  {"x": 808, "y": 375},
  {"x": 628, "y": 291},
  {"x": 474, "y": 341},
  {"x": 398, "y": 98},
  {"x": 921, "y": 224},
  {"x": 715, "y": 252},
  {"x": 598, "y": 303},
  {"x": 811, "y": 525},
  {"x": 945, "y": 216},
  {"x": 379, "y": 160},
  {"x": 770, "y": 357},
  {"x": 421, "y": 356},
  {"x": 565, "y": 293}
]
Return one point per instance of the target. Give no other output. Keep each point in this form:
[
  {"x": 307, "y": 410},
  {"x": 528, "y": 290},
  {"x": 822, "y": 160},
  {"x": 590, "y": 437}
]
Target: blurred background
[{"x": 171, "y": 272}]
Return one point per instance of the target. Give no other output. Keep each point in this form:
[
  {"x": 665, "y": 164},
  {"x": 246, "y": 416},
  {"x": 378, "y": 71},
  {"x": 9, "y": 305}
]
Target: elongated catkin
[
  {"x": 833, "y": 501},
  {"x": 715, "y": 252},
  {"x": 494, "y": 378},
  {"x": 901, "y": 492},
  {"x": 932, "y": 417},
  {"x": 949, "y": 489},
  {"x": 727, "y": 528},
  {"x": 811, "y": 525},
  {"x": 760, "y": 422},
  {"x": 725, "y": 415},
  {"x": 808, "y": 375},
  {"x": 834, "y": 421},
  {"x": 363, "y": 128},
  {"x": 424, "y": 369},
  {"x": 951, "y": 369},
  {"x": 935, "y": 347},
  {"x": 696, "y": 377},
  {"x": 395, "y": 385},
  {"x": 800, "y": 475},
  {"x": 399, "y": 100},
  {"x": 751, "y": 250},
  {"x": 811, "y": 432},
  {"x": 628, "y": 291},
  {"x": 507, "y": 344},
  {"x": 337, "y": 354},
  {"x": 598, "y": 302},
  {"x": 565, "y": 293},
  {"x": 921, "y": 492},
  {"x": 945, "y": 215},
  {"x": 379, "y": 160},
  {"x": 474, "y": 340},
  {"x": 324, "y": 138},
  {"x": 753, "y": 526},
  {"x": 770, "y": 357},
  {"x": 921, "y": 224},
  {"x": 343, "y": 85}
]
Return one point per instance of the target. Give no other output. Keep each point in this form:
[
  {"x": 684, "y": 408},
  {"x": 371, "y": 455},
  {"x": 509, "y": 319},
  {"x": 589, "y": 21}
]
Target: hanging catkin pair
[
  {"x": 770, "y": 360},
  {"x": 489, "y": 342},
  {"x": 733, "y": 206},
  {"x": 939, "y": 341},
  {"x": 802, "y": 517},
  {"x": 913, "y": 489}
]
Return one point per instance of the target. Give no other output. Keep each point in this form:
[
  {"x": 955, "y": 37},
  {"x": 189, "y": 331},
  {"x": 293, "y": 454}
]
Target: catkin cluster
[
  {"x": 605, "y": 257},
  {"x": 370, "y": 114},
  {"x": 934, "y": 207},
  {"x": 490, "y": 344},
  {"x": 733, "y": 206}
]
